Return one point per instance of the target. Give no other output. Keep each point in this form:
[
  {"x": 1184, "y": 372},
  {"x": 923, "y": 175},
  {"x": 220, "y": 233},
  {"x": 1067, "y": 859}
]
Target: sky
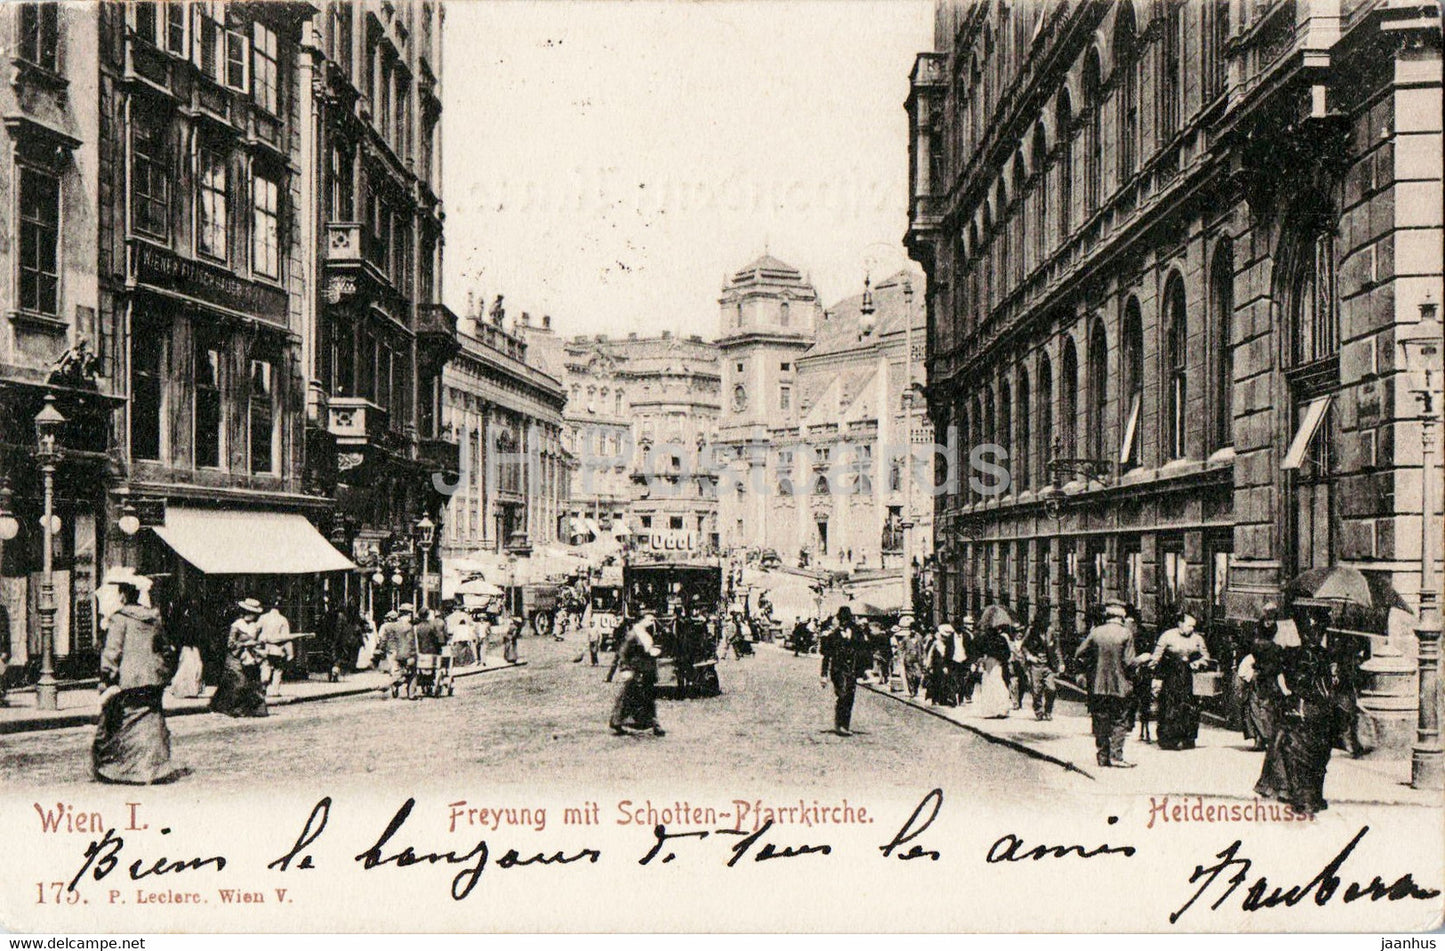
[{"x": 608, "y": 163}]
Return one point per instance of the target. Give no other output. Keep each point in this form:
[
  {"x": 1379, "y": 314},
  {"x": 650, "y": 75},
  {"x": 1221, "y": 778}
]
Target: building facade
[
  {"x": 1170, "y": 248},
  {"x": 382, "y": 335},
  {"x": 506, "y": 415},
  {"x": 813, "y": 438}
]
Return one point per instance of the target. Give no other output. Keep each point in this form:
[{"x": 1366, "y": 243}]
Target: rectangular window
[
  {"x": 147, "y": 401},
  {"x": 341, "y": 32},
  {"x": 150, "y": 173},
  {"x": 145, "y": 21},
  {"x": 40, "y": 35},
  {"x": 674, "y": 522},
  {"x": 262, "y": 418},
  {"x": 235, "y": 60},
  {"x": 207, "y": 383},
  {"x": 1173, "y": 569},
  {"x": 342, "y": 194},
  {"x": 39, "y": 242},
  {"x": 1131, "y": 572},
  {"x": 1311, "y": 416},
  {"x": 208, "y": 40},
  {"x": 176, "y": 28},
  {"x": 265, "y": 235},
  {"x": 1127, "y": 454},
  {"x": 265, "y": 69},
  {"x": 785, "y": 398},
  {"x": 211, "y": 202}
]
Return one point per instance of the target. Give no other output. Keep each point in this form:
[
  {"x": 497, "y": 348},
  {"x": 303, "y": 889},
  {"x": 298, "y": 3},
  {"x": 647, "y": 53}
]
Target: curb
[
  {"x": 1014, "y": 745},
  {"x": 68, "y": 721}
]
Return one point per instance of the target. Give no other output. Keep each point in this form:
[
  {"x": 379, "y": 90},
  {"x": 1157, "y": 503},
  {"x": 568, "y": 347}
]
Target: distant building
[
  {"x": 505, "y": 412},
  {"x": 814, "y": 432},
  {"x": 1170, "y": 248}
]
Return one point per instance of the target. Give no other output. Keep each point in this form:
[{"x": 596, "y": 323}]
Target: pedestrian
[
  {"x": 1178, "y": 654},
  {"x": 1042, "y": 664},
  {"x": 278, "y": 650},
  {"x": 1017, "y": 670},
  {"x": 941, "y": 680},
  {"x": 1109, "y": 648},
  {"x": 397, "y": 641},
  {"x": 1307, "y": 727},
  {"x": 185, "y": 631},
  {"x": 459, "y": 633},
  {"x": 511, "y": 633},
  {"x": 846, "y": 657},
  {"x": 963, "y": 672},
  {"x": 132, "y": 744},
  {"x": 635, "y": 707},
  {"x": 430, "y": 635},
  {"x": 1258, "y": 676},
  {"x": 1347, "y": 652},
  {"x": 911, "y": 649},
  {"x": 241, "y": 692},
  {"x": 994, "y": 653}
]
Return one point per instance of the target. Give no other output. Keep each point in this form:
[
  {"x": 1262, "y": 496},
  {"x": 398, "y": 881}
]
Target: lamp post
[
  {"x": 906, "y": 619},
  {"x": 48, "y": 423},
  {"x": 1422, "y": 364},
  {"x": 426, "y": 531}
]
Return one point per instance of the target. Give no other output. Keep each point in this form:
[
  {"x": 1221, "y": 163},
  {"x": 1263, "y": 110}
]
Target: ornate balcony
[
  {"x": 436, "y": 334},
  {"x": 440, "y": 455},
  {"x": 354, "y": 266},
  {"x": 356, "y": 422}
]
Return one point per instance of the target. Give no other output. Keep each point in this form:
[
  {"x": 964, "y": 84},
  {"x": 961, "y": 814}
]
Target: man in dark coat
[
  {"x": 846, "y": 656},
  {"x": 1042, "y": 664},
  {"x": 1110, "y": 648}
]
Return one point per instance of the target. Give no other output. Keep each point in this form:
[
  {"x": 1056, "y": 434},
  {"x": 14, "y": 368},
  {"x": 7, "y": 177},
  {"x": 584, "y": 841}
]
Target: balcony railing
[
  {"x": 345, "y": 243},
  {"x": 439, "y": 454}
]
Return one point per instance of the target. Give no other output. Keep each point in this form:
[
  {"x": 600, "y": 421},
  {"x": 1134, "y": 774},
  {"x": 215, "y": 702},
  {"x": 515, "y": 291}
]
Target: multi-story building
[
  {"x": 814, "y": 436},
  {"x": 50, "y": 304},
  {"x": 382, "y": 335},
  {"x": 641, "y": 417},
  {"x": 1170, "y": 248},
  {"x": 506, "y": 414}
]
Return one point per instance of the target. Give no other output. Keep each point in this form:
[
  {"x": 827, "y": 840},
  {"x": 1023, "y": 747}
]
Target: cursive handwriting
[
  {"x": 465, "y": 880},
  {"x": 1010, "y": 848},
  {"x": 315, "y": 823},
  {"x": 740, "y": 849},
  {"x": 932, "y": 801},
  {"x": 103, "y": 856},
  {"x": 1321, "y": 888}
]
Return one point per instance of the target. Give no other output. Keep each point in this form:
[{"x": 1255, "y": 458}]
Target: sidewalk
[
  {"x": 80, "y": 706},
  {"x": 1221, "y": 765}
]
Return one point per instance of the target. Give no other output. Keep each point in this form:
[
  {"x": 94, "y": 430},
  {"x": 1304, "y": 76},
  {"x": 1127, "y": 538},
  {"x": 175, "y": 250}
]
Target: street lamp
[
  {"x": 906, "y": 620},
  {"x": 1421, "y": 359},
  {"x": 48, "y": 424},
  {"x": 426, "y": 531}
]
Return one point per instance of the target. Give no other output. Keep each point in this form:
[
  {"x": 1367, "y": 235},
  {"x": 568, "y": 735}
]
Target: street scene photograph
[{"x": 1033, "y": 401}]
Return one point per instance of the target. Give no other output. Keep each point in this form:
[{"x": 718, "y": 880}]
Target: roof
[
  {"x": 768, "y": 270},
  {"x": 840, "y": 331}
]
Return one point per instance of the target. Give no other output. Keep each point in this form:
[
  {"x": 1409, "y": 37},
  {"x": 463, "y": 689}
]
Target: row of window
[
  {"x": 153, "y": 162},
  {"x": 241, "y": 56},
  {"x": 150, "y": 412}
]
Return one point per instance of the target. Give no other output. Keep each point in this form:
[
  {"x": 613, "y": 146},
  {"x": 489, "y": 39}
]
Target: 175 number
[{"x": 59, "y": 896}]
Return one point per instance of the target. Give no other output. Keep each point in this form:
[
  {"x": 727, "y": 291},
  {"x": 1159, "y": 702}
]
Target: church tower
[{"x": 769, "y": 315}]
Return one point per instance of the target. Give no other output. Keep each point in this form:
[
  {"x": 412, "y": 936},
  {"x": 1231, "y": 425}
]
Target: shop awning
[
  {"x": 1314, "y": 414},
  {"x": 579, "y": 526},
  {"x": 230, "y": 542},
  {"x": 593, "y": 528}
]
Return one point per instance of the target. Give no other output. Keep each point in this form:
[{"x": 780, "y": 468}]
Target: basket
[{"x": 1208, "y": 683}]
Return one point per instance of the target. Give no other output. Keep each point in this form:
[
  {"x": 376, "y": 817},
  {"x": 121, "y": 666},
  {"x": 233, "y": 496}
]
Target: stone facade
[
  {"x": 1170, "y": 248},
  {"x": 506, "y": 414},
  {"x": 812, "y": 439}
]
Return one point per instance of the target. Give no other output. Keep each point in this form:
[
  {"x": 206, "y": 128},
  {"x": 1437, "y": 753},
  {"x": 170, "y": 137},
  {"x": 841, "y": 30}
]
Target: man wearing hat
[
  {"x": 1110, "y": 648},
  {"x": 846, "y": 656},
  {"x": 398, "y": 642},
  {"x": 275, "y": 632}
]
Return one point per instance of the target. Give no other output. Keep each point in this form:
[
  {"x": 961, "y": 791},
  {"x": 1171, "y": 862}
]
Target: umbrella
[
  {"x": 479, "y": 587},
  {"x": 1345, "y": 585},
  {"x": 995, "y": 616}
]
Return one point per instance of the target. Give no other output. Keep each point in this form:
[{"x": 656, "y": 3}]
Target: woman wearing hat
[
  {"x": 240, "y": 692},
  {"x": 132, "y": 744}
]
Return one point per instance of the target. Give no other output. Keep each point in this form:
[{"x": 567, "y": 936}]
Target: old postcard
[{"x": 796, "y": 466}]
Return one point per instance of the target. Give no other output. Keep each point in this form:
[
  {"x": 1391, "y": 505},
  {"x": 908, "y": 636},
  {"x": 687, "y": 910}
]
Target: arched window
[
  {"x": 1132, "y": 346},
  {"x": 1171, "y": 66},
  {"x": 1046, "y": 417},
  {"x": 1221, "y": 309},
  {"x": 1005, "y": 425},
  {"x": 1016, "y": 223},
  {"x": 1069, "y": 399},
  {"x": 1041, "y": 193},
  {"x": 1003, "y": 243},
  {"x": 1063, "y": 132},
  {"x": 1022, "y": 449},
  {"x": 1094, "y": 139},
  {"x": 1316, "y": 312},
  {"x": 1176, "y": 339},
  {"x": 1098, "y": 389},
  {"x": 1126, "y": 67},
  {"x": 783, "y": 314}
]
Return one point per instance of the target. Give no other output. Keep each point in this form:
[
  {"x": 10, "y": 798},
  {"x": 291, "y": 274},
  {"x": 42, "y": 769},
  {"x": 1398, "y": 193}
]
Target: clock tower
[{"x": 769, "y": 314}]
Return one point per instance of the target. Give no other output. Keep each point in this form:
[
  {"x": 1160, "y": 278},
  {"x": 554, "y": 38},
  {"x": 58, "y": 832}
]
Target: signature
[
  {"x": 101, "y": 858},
  {"x": 1322, "y": 888}
]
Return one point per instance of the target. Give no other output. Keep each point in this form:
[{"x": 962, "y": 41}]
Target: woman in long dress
[
  {"x": 132, "y": 744},
  {"x": 993, "y": 650},
  {"x": 241, "y": 692},
  {"x": 1180, "y": 651},
  {"x": 636, "y": 705}
]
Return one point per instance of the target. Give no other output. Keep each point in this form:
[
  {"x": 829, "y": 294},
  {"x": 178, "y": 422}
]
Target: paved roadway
[{"x": 547, "y": 722}]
